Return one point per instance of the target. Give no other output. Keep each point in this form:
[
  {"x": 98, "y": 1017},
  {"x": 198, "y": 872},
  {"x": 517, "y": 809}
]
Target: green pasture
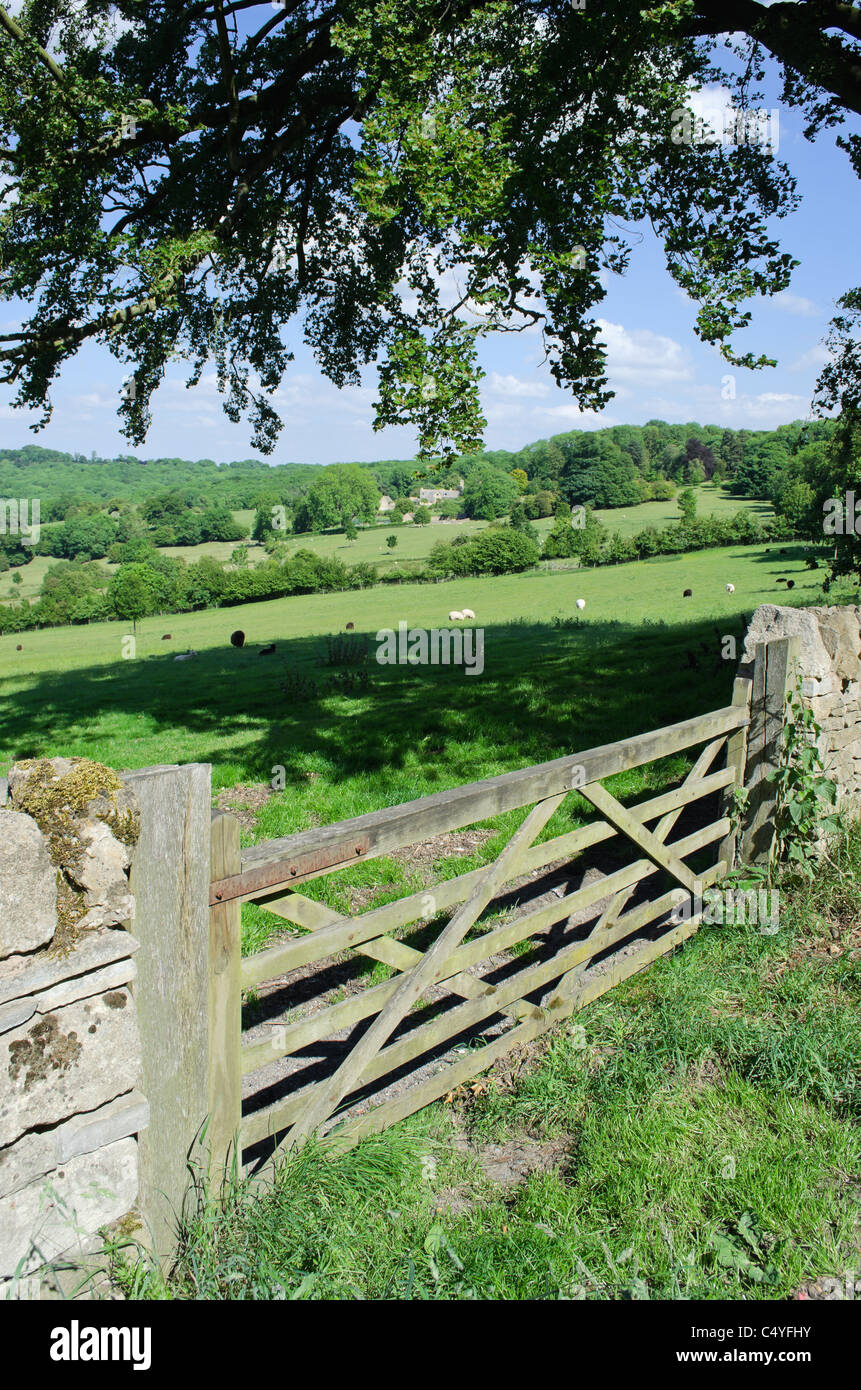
[
  {"x": 545, "y": 689},
  {"x": 31, "y": 576},
  {"x": 413, "y": 547},
  {"x": 414, "y": 542},
  {"x": 711, "y": 501}
]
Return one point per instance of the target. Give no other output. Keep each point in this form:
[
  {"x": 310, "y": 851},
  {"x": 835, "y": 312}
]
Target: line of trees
[
  {"x": 149, "y": 582},
  {"x": 89, "y": 504},
  {"x": 152, "y": 583}
]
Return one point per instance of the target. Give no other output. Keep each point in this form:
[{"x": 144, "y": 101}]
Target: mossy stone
[{"x": 61, "y": 795}]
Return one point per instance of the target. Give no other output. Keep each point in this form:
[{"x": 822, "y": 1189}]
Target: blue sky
[{"x": 657, "y": 367}]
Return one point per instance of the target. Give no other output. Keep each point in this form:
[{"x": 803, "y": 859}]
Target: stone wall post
[
  {"x": 774, "y": 675},
  {"x": 823, "y": 647},
  {"x": 71, "y": 1106}
]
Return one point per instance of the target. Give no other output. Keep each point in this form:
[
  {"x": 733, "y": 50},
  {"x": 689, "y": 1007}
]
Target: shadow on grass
[{"x": 546, "y": 690}]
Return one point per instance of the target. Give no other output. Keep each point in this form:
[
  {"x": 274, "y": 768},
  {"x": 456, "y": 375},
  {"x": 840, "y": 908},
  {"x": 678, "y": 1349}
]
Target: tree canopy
[
  {"x": 212, "y": 179},
  {"x": 488, "y": 493},
  {"x": 341, "y": 493},
  {"x": 597, "y": 473}
]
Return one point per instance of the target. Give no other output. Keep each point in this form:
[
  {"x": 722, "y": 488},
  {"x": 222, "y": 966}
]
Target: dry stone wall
[
  {"x": 70, "y": 1054},
  {"x": 830, "y": 669}
]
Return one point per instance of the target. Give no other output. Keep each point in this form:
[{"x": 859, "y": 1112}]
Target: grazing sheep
[
  {"x": 186, "y": 656},
  {"x": 167, "y": 637},
  {"x": 730, "y": 588},
  {"x": 468, "y": 613},
  {"x": 790, "y": 583},
  {"x": 350, "y": 627},
  {"x": 455, "y": 617},
  {"x": 267, "y": 651},
  {"x": 19, "y": 648},
  {"x": 581, "y": 604},
  {"x": 237, "y": 638},
  {"x": 689, "y": 593}
]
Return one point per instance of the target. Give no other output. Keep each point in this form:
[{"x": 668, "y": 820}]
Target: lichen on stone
[
  {"x": 125, "y": 824},
  {"x": 71, "y": 907},
  {"x": 126, "y": 1229},
  {"x": 62, "y": 795},
  {"x": 45, "y": 1049},
  {"x": 57, "y": 803}
]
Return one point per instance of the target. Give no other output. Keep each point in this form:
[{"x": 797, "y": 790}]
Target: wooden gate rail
[
  {"x": 382, "y": 1116},
  {"x": 337, "y": 1016},
  {"x": 269, "y": 873},
  {"x": 297, "y": 858},
  {"x": 493, "y": 997},
  {"x": 352, "y": 931}
]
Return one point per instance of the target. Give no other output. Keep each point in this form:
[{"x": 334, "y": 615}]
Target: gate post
[
  {"x": 170, "y": 883},
  {"x": 736, "y": 758},
  {"x": 773, "y": 676},
  {"x": 225, "y": 1006}
]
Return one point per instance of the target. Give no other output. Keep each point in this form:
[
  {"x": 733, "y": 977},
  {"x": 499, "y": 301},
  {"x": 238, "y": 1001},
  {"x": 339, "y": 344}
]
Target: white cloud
[
  {"x": 510, "y": 385},
  {"x": 94, "y": 400},
  {"x": 795, "y": 304},
  {"x": 533, "y": 421},
  {"x": 505, "y": 413},
  {"x": 814, "y": 359},
  {"x": 586, "y": 419},
  {"x": 642, "y": 357},
  {"x": 712, "y": 104}
]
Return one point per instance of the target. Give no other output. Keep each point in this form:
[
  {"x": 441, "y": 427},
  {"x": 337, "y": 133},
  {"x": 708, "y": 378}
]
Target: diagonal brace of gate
[
  {"x": 414, "y": 983},
  {"x": 569, "y": 982},
  {"x": 402, "y": 957},
  {"x": 644, "y": 839}
]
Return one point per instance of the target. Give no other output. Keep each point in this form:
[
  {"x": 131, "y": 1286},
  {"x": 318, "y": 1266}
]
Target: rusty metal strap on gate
[{"x": 269, "y": 877}]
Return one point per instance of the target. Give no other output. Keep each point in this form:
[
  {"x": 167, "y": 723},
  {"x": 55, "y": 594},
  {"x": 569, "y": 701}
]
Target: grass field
[
  {"x": 710, "y": 502},
  {"x": 71, "y": 690},
  {"x": 695, "y": 1139},
  {"x": 414, "y": 542},
  {"x": 413, "y": 547}
]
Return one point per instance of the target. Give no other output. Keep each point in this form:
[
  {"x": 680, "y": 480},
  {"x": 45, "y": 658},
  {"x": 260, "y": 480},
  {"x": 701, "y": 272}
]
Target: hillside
[
  {"x": 130, "y": 537},
  {"x": 656, "y": 450}
]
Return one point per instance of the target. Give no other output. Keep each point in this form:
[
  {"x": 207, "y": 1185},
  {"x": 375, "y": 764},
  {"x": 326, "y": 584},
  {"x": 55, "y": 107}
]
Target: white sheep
[
  {"x": 186, "y": 656},
  {"x": 455, "y": 617},
  {"x": 581, "y": 604},
  {"x": 730, "y": 588},
  {"x": 468, "y": 613}
]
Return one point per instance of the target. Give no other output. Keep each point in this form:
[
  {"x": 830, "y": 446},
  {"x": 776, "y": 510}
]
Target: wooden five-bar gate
[{"x": 388, "y": 1028}]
